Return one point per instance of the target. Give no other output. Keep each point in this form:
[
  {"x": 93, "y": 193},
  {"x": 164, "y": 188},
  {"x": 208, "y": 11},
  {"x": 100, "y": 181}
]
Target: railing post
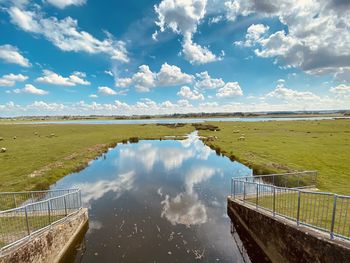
[
  {"x": 333, "y": 216},
  {"x": 232, "y": 187},
  {"x": 274, "y": 201},
  {"x": 244, "y": 192},
  {"x": 65, "y": 206},
  {"x": 26, "y": 213},
  {"x": 49, "y": 210},
  {"x": 298, "y": 211},
  {"x": 14, "y": 200},
  {"x": 257, "y": 195},
  {"x": 81, "y": 204}
]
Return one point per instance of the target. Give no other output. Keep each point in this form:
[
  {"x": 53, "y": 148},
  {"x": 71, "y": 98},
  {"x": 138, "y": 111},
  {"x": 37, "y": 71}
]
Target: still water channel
[{"x": 159, "y": 201}]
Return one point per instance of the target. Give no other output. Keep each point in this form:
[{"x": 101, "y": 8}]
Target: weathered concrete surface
[
  {"x": 50, "y": 245},
  {"x": 283, "y": 241}
]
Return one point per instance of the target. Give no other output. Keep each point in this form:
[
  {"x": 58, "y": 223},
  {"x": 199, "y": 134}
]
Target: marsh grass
[{"x": 287, "y": 146}]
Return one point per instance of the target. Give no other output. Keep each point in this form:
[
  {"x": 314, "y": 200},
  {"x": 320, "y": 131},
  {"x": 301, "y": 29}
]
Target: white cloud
[
  {"x": 171, "y": 75},
  {"x": 281, "y": 92},
  {"x": 167, "y": 104},
  {"x": 197, "y": 54},
  {"x": 209, "y": 104},
  {"x": 183, "y": 17},
  {"x": 10, "y": 80},
  {"x": 206, "y": 82},
  {"x": 29, "y": 88},
  {"x": 11, "y": 54},
  {"x": 215, "y": 19},
  {"x": 143, "y": 107},
  {"x": 64, "y": 3},
  {"x": 184, "y": 104},
  {"x": 186, "y": 208},
  {"x": 145, "y": 79},
  {"x": 95, "y": 190},
  {"x": 230, "y": 90},
  {"x": 50, "y": 77},
  {"x": 180, "y": 16},
  {"x": 108, "y": 72},
  {"x": 65, "y": 34},
  {"x": 142, "y": 80},
  {"x": 93, "y": 96},
  {"x": 254, "y": 34},
  {"x": 187, "y": 93},
  {"x": 106, "y": 91},
  {"x": 341, "y": 89},
  {"x": 318, "y": 36}
]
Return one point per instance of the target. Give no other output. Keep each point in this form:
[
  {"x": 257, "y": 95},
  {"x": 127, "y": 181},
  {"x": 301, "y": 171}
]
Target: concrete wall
[
  {"x": 51, "y": 245},
  {"x": 283, "y": 241}
]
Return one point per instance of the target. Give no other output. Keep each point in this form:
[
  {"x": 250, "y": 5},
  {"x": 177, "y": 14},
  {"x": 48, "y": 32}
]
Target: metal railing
[
  {"x": 292, "y": 180},
  {"x": 16, "y": 199},
  {"x": 326, "y": 212},
  {"x": 40, "y": 210}
]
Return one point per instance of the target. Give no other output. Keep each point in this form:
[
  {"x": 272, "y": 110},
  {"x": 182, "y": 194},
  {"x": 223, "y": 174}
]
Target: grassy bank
[
  {"x": 270, "y": 147},
  {"x": 39, "y": 155}
]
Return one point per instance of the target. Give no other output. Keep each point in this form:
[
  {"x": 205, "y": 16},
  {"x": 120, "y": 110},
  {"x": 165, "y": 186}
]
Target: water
[
  {"x": 159, "y": 201},
  {"x": 179, "y": 120}
]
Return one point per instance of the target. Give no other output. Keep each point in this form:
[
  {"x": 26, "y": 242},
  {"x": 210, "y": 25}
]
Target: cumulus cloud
[
  {"x": 10, "y": 80},
  {"x": 29, "y": 88},
  {"x": 93, "y": 96},
  {"x": 187, "y": 93},
  {"x": 171, "y": 75},
  {"x": 197, "y": 54},
  {"x": 50, "y": 77},
  {"x": 254, "y": 34},
  {"x": 281, "y": 92},
  {"x": 64, "y": 3},
  {"x": 186, "y": 208},
  {"x": 65, "y": 34},
  {"x": 318, "y": 36},
  {"x": 106, "y": 91},
  {"x": 11, "y": 54},
  {"x": 206, "y": 82},
  {"x": 95, "y": 190},
  {"x": 341, "y": 89},
  {"x": 183, "y": 17},
  {"x": 230, "y": 90},
  {"x": 145, "y": 79},
  {"x": 325, "y": 102}
]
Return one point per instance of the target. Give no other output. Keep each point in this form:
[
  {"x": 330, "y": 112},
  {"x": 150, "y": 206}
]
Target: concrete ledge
[
  {"x": 283, "y": 241},
  {"x": 50, "y": 245}
]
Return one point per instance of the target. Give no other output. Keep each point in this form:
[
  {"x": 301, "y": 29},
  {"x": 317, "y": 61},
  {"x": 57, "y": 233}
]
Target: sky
[{"x": 83, "y": 57}]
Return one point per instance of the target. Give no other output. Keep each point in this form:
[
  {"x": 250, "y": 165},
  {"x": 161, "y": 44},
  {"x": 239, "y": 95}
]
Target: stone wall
[
  {"x": 50, "y": 245},
  {"x": 283, "y": 241}
]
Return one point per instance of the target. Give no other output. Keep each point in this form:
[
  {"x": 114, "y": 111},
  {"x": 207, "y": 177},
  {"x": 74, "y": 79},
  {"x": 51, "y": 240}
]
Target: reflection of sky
[{"x": 172, "y": 183}]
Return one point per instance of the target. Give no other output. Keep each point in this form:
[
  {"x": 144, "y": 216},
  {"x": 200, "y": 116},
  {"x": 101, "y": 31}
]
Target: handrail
[
  {"x": 293, "y": 179},
  {"x": 277, "y": 174},
  {"x": 19, "y": 223},
  {"x": 323, "y": 211},
  {"x": 40, "y": 191}
]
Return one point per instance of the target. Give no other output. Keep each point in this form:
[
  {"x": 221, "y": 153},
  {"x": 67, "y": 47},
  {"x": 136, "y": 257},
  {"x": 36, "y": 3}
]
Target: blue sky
[{"x": 154, "y": 57}]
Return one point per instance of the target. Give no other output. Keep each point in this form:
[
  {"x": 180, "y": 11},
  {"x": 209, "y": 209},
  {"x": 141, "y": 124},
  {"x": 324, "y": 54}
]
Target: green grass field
[
  {"x": 284, "y": 146},
  {"x": 42, "y": 154}
]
